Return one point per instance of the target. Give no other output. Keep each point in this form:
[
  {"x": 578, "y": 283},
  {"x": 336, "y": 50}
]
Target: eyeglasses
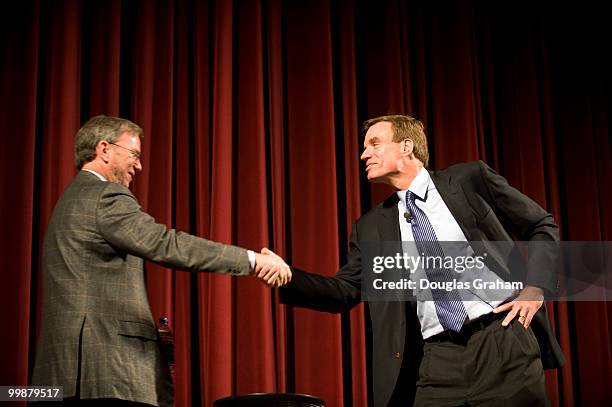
[{"x": 136, "y": 154}]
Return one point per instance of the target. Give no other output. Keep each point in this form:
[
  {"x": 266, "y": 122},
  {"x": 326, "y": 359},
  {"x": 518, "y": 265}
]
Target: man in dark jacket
[{"x": 488, "y": 350}]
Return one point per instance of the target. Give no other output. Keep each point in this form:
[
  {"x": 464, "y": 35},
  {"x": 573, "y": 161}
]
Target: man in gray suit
[{"x": 98, "y": 338}]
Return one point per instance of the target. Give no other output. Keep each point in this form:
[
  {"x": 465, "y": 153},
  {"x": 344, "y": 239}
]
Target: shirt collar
[
  {"x": 418, "y": 186},
  {"x": 96, "y": 174}
]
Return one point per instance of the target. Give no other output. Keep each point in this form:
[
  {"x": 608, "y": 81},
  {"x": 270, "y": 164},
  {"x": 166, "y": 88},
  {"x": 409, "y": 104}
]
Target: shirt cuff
[{"x": 251, "y": 255}]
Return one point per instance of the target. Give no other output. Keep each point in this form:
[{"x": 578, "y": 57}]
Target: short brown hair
[
  {"x": 96, "y": 129},
  {"x": 405, "y": 127}
]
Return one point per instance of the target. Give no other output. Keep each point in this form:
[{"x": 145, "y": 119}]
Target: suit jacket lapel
[
  {"x": 388, "y": 226},
  {"x": 453, "y": 196},
  {"x": 390, "y": 245}
]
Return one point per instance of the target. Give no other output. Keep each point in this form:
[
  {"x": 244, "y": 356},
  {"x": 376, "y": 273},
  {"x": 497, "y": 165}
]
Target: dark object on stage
[
  {"x": 166, "y": 343},
  {"x": 270, "y": 400}
]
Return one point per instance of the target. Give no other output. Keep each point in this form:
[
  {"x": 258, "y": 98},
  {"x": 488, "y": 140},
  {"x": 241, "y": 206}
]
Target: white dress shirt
[
  {"x": 96, "y": 174},
  {"x": 447, "y": 230}
]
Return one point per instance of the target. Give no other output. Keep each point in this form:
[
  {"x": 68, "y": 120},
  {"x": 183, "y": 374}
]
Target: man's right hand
[{"x": 271, "y": 269}]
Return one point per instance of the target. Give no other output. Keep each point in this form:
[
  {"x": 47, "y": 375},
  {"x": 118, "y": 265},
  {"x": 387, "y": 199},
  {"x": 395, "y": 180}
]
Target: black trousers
[{"x": 496, "y": 366}]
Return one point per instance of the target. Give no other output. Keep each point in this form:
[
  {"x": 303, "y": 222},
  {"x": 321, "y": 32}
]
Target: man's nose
[
  {"x": 366, "y": 154},
  {"x": 138, "y": 165}
]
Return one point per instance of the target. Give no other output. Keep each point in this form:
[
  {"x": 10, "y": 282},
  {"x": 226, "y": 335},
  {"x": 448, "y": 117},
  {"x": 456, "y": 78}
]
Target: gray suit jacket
[{"x": 95, "y": 313}]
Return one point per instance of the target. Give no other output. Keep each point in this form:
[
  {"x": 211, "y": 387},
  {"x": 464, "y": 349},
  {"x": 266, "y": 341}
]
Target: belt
[{"x": 467, "y": 330}]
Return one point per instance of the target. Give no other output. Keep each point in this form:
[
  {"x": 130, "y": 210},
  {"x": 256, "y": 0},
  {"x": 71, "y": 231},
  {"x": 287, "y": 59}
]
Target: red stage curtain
[{"x": 251, "y": 112}]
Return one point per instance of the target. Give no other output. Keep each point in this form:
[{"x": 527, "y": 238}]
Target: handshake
[{"x": 271, "y": 269}]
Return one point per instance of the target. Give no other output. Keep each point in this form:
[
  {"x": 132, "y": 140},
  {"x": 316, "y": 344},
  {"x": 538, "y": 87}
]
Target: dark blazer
[
  {"x": 487, "y": 210},
  {"x": 95, "y": 313}
]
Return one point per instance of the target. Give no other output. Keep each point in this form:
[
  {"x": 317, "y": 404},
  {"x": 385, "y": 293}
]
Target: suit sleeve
[
  {"x": 122, "y": 222},
  {"x": 330, "y": 294},
  {"x": 530, "y": 223}
]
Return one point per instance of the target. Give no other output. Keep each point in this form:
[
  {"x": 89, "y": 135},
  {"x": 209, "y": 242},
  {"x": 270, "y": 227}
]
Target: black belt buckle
[
  {"x": 458, "y": 337},
  {"x": 449, "y": 336},
  {"x": 482, "y": 322},
  {"x": 468, "y": 329}
]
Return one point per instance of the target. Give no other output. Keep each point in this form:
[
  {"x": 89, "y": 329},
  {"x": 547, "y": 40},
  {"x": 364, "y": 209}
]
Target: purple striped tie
[{"x": 449, "y": 307}]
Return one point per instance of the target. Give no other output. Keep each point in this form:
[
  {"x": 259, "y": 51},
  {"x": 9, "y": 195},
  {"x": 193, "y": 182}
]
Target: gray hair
[{"x": 100, "y": 128}]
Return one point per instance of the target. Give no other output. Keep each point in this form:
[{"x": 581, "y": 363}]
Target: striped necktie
[{"x": 449, "y": 307}]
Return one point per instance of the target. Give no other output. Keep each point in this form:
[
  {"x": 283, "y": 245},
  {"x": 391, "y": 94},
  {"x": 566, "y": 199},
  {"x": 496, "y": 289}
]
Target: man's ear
[
  {"x": 407, "y": 146},
  {"x": 102, "y": 150}
]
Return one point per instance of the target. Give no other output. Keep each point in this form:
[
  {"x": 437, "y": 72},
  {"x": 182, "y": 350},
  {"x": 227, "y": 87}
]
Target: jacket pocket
[{"x": 137, "y": 329}]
